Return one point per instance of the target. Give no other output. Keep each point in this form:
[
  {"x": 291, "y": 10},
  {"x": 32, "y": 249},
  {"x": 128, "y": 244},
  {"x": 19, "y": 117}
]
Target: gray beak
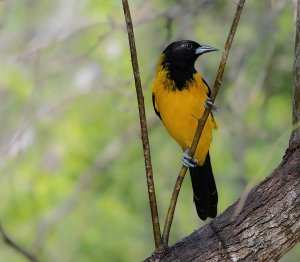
[{"x": 205, "y": 49}]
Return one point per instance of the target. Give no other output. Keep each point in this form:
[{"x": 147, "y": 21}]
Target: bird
[{"x": 180, "y": 95}]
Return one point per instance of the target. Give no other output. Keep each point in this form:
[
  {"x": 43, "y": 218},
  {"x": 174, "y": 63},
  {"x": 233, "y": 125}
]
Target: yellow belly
[{"x": 179, "y": 111}]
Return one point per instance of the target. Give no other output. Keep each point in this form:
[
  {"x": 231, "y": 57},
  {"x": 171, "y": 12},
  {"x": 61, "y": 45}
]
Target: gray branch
[
  {"x": 296, "y": 77},
  {"x": 262, "y": 226}
]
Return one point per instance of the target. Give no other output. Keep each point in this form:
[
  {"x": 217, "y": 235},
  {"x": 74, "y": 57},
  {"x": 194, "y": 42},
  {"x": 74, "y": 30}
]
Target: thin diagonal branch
[
  {"x": 8, "y": 241},
  {"x": 201, "y": 122},
  {"x": 144, "y": 131}
]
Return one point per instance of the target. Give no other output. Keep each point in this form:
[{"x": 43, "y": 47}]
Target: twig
[
  {"x": 201, "y": 123},
  {"x": 8, "y": 241},
  {"x": 144, "y": 131},
  {"x": 266, "y": 28}
]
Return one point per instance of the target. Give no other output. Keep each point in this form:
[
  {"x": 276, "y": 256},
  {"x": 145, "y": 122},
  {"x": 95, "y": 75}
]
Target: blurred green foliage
[{"x": 72, "y": 173}]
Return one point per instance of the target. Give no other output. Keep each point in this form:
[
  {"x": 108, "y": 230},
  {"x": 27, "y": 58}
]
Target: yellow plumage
[{"x": 180, "y": 109}]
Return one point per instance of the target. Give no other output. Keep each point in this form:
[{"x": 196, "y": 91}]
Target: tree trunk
[
  {"x": 263, "y": 226},
  {"x": 296, "y": 75}
]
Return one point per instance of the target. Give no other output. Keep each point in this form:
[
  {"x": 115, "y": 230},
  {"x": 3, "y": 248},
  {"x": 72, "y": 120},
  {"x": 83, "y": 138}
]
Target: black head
[
  {"x": 180, "y": 57},
  {"x": 183, "y": 54}
]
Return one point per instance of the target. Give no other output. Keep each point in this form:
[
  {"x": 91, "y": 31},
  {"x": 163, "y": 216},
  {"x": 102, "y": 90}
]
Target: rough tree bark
[
  {"x": 265, "y": 228},
  {"x": 265, "y": 223},
  {"x": 296, "y": 75}
]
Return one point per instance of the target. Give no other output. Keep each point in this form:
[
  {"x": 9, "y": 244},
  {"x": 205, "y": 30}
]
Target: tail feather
[{"x": 205, "y": 190}]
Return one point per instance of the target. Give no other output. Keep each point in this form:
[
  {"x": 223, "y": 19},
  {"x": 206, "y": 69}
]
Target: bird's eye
[{"x": 188, "y": 46}]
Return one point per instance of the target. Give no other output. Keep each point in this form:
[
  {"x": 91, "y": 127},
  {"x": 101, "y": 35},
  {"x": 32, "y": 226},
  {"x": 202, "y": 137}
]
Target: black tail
[{"x": 205, "y": 191}]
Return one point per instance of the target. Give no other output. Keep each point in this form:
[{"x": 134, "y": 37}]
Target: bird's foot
[
  {"x": 187, "y": 160},
  {"x": 210, "y": 104}
]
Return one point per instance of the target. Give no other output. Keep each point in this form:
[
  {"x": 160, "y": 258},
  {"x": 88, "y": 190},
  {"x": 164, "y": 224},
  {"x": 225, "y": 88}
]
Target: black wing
[
  {"x": 209, "y": 91},
  {"x": 155, "y": 109}
]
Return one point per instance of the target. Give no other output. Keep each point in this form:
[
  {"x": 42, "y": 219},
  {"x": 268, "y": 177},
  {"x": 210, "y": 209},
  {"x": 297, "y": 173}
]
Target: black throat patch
[{"x": 180, "y": 76}]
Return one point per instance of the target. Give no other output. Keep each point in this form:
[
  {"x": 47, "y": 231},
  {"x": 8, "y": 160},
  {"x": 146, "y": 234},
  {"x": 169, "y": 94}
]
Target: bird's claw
[
  {"x": 210, "y": 104},
  {"x": 187, "y": 160}
]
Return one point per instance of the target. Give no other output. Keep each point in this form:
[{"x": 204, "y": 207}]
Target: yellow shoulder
[{"x": 199, "y": 79}]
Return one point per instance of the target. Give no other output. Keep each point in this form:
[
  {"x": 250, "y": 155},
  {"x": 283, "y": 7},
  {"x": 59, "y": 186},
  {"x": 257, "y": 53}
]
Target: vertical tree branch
[
  {"x": 7, "y": 240},
  {"x": 144, "y": 131},
  {"x": 201, "y": 122},
  {"x": 295, "y": 137}
]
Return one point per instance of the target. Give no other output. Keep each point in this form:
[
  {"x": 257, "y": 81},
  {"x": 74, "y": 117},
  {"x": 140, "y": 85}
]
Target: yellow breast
[{"x": 179, "y": 111}]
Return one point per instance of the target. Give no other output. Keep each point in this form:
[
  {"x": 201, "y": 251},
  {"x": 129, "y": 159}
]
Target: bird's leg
[
  {"x": 187, "y": 160},
  {"x": 209, "y": 103}
]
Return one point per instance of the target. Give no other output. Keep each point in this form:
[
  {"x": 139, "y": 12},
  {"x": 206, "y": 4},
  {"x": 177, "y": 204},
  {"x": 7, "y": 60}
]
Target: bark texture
[
  {"x": 296, "y": 76},
  {"x": 263, "y": 226}
]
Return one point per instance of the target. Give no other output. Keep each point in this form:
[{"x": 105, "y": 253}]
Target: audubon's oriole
[{"x": 179, "y": 95}]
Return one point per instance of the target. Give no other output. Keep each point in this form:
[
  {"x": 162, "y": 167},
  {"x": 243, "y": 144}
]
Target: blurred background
[{"x": 72, "y": 176}]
